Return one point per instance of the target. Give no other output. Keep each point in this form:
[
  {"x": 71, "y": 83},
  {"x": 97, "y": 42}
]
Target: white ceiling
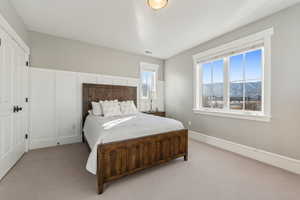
[{"x": 130, "y": 25}]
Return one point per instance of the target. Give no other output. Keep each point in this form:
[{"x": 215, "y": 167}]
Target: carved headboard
[{"x": 96, "y": 92}]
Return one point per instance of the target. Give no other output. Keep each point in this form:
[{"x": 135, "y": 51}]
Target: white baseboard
[
  {"x": 38, "y": 144},
  {"x": 273, "y": 159},
  {"x": 71, "y": 140}
]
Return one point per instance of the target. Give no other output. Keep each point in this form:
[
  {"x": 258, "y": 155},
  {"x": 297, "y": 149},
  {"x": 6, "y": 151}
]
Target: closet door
[
  {"x": 42, "y": 108},
  {"x": 67, "y": 110},
  {"x": 19, "y": 95},
  {"x": 12, "y": 135},
  {"x": 25, "y": 98}
]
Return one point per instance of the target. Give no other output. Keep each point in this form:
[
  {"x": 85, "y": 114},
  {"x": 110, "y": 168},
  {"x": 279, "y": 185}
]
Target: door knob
[{"x": 15, "y": 109}]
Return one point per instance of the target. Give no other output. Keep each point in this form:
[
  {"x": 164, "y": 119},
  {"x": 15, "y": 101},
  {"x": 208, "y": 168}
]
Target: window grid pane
[
  {"x": 253, "y": 80},
  {"x": 253, "y": 97},
  {"x": 148, "y": 87},
  {"x": 218, "y": 84},
  {"x": 213, "y": 84},
  {"x": 236, "y": 74},
  {"x": 246, "y": 94},
  {"x": 207, "y": 83}
]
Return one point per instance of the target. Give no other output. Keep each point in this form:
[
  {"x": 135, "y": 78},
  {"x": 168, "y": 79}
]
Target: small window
[
  {"x": 234, "y": 80},
  {"x": 148, "y": 80}
]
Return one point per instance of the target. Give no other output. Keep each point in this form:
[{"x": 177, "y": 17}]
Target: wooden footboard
[{"x": 118, "y": 159}]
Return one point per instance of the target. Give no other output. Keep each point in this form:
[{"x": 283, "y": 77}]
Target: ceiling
[{"x": 130, "y": 25}]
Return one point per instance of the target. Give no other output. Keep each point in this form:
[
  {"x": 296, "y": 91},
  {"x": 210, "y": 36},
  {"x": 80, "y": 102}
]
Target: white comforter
[{"x": 99, "y": 130}]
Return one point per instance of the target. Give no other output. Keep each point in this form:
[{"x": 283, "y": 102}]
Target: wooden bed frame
[{"x": 122, "y": 158}]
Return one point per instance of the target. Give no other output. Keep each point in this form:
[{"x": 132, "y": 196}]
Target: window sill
[{"x": 236, "y": 115}]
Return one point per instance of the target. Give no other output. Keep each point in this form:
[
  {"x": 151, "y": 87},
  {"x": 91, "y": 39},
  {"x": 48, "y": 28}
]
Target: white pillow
[
  {"x": 110, "y": 108},
  {"x": 96, "y": 108},
  {"x": 128, "y": 107}
]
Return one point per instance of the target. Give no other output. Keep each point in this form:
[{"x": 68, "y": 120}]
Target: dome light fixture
[{"x": 157, "y": 4}]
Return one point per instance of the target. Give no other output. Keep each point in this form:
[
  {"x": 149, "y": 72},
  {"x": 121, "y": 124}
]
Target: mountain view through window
[{"x": 244, "y": 82}]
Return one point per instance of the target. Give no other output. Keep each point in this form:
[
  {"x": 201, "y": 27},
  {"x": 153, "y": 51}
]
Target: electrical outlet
[{"x": 190, "y": 123}]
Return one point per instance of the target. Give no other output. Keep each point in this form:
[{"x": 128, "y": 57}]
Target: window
[
  {"x": 148, "y": 80},
  {"x": 234, "y": 80},
  {"x": 245, "y": 74},
  {"x": 213, "y": 84}
]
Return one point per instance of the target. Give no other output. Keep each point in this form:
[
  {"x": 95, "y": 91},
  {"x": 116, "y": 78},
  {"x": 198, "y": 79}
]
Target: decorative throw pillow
[
  {"x": 110, "y": 108},
  {"x": 96, "y": 108},
  {"x": 128, "y": 107}
]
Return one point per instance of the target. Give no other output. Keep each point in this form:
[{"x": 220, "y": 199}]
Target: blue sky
[
  {"x": 253, "y": 62},
  {"x": 147, "y": 76},
  {"x": 217, "y": 67}
]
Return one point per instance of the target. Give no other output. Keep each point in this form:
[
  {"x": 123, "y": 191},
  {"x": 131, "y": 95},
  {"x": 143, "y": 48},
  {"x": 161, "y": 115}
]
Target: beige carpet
[{"x": 210, "y": 174}]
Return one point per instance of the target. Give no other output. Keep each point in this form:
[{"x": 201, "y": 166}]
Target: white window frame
[
  {"x": 262, "y": 38},
  {"x": 153, "y": 68}
]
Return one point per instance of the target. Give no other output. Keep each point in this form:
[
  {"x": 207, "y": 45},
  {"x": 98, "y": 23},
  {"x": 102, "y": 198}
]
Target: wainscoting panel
[
  {"x": 56, "y": 104},
  {"x": 42, "y": 109},
  {"x": 67, "y": 121}
]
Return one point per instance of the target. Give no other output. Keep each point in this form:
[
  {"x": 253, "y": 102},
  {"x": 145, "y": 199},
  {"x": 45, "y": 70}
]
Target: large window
[
  {"x": 148, "y": 73},
  {"x": 234, "y": 80}
]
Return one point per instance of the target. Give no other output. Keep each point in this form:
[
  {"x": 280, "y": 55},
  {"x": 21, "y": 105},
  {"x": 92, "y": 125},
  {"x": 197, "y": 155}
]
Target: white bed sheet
[{"x": 101, "y": 130}]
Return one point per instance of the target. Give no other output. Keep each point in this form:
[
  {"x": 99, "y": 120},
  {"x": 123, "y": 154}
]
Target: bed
[{"x": 122, "y": 145}]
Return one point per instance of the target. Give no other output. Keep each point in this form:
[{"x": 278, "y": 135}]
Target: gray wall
[
  {"x": 64, "y": 54},
  {"x": 282, "y": 134},
  {"x": 10, "y": 14}
]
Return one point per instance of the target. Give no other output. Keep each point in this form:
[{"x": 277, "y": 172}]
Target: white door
[
  {"x": 25, "y": 98},
  {"x": 12, "y": 135},
  {"x": 20, "y": 93}
]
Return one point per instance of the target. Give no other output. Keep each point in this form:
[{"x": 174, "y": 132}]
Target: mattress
[{"x": 101, "y": 130}]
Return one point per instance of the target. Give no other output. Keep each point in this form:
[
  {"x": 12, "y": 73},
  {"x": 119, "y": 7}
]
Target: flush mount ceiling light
[{"x": 157, "y": 4}]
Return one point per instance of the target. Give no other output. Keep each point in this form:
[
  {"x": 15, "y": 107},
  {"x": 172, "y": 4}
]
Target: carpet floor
[{"x": 59, "y": 173}]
